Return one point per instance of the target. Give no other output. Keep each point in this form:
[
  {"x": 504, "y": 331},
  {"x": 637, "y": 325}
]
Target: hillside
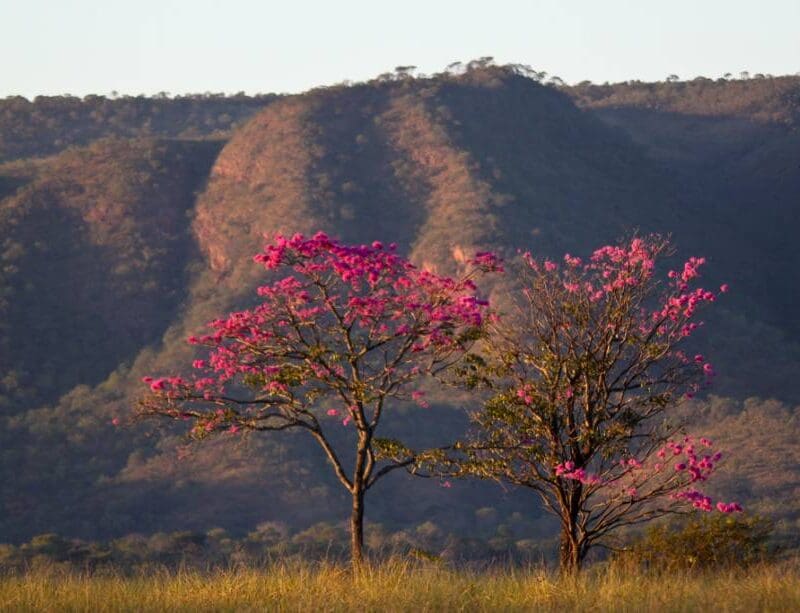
[
  {"x": 735, "y": 143},
  {"x": 49, "y": 124},
  {"x": 94, "y": 255},
  {"x": 114, "y": 252}
]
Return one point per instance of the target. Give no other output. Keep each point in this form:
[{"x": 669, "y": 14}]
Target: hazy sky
[{"x": 180, "y": 46}]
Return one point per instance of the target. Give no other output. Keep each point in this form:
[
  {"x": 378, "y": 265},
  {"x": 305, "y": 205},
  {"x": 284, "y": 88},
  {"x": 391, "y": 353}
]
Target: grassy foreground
[{"x": 403, "y": 587}]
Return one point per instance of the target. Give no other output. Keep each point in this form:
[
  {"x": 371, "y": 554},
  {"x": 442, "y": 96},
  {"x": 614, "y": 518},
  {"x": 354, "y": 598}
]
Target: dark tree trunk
[
  {"x": 357, "y": 529},
  {"x": 571, "y": 550},
  {"x": 570, "y": 553},
  {"x": 360, "y": 477}
]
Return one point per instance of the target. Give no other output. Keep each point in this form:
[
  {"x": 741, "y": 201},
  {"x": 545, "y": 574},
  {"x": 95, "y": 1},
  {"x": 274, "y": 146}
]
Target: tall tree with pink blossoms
[
  {"x": 340, "y": 334},
  {"x": 584, "y": 373}
]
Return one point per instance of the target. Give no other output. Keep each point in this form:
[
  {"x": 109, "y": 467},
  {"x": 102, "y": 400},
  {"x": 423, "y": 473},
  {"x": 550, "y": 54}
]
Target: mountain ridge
[{"x": 444, "y": 167}]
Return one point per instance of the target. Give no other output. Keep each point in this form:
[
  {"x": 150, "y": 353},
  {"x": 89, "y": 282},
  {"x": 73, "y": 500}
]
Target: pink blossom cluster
[
  {"x": 525, "y": 394},
  {"x": 621, "y": 266},
  {"x": 698, "y": 500},
  {"x": 691, "y": 462},
  {"x": 418, "y": 396},
  {"x": 689, "y": 458},
  {"x": 349, "y": 299},
  {"x": 703, "y": 502},
  {"x": 178, "y": 387},
  {"x": 683, "y": 305},
  {"x": 567, "y": 470},
  {"x": 613, "y": 270},
  {"x": 377, "y": 291},
  {"x": 488, "y": 262},
  {"x": 610, "y": 268}
]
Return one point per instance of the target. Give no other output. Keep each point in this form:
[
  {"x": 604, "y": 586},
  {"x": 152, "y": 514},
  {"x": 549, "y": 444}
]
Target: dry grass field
[{"x": 403, "y": 587}]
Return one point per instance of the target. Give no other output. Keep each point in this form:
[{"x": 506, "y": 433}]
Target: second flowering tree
[
  {"x": 585, "y": 374},
  {"x": 338, "y": 335}
]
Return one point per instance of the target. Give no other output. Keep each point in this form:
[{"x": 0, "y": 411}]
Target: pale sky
[{"x": 182, "y": 46}]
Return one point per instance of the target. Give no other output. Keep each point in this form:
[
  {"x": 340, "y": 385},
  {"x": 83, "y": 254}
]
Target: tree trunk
[
  {"x": 570, "y": 553},
  {"x": 357, "y": 529},
  {"x": 360, "y": 477}
]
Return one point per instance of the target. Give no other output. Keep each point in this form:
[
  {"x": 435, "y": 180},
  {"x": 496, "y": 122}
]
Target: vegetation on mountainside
[
  {"x": 764, "y": 99},
  {"x": 478, "y": 159},
  {"x": 49, "y": 124},
  {"x": 93, "y": 257}
]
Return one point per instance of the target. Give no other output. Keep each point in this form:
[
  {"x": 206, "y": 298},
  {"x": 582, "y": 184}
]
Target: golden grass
[{"x": 403, "y": 587}]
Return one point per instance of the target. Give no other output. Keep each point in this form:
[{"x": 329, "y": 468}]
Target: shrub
[{"x": 708, "y": 541}]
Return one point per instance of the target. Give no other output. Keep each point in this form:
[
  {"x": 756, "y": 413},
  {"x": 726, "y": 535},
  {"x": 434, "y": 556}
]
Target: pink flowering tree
[
  {"x": 340, "y": 334},
  {"x": 584, "y": 374}
]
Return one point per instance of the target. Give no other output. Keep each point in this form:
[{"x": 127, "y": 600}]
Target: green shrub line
[{"x": 707, "y": 542}]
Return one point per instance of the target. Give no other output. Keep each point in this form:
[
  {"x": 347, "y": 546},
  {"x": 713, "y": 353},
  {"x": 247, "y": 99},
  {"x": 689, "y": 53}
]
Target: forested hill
[
  {"x": 123, "y": 231},
  {"x": 49, "y": 124}
]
